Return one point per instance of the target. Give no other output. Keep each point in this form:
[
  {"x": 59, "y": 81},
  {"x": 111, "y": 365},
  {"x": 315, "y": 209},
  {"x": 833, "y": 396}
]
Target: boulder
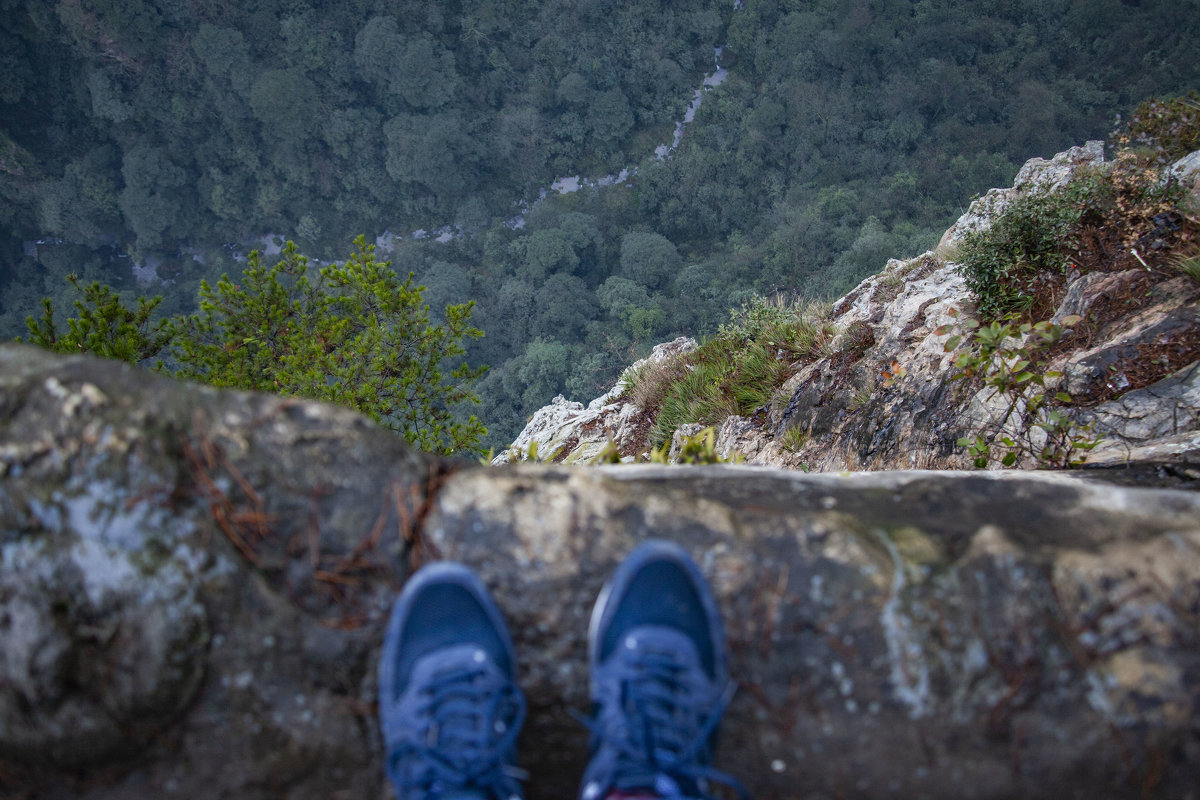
[
  {"x": 191, "y": 585},
  {"x": 194, "y": 584}
]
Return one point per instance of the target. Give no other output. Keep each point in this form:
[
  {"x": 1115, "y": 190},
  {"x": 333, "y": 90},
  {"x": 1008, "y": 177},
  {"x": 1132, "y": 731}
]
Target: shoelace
[
  {"x": 669, "y": 723},
  {"x": 474, "y": 717}
]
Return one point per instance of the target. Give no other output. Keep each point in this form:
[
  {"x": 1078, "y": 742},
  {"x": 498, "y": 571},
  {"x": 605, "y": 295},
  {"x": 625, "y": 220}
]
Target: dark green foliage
[
  {"x": 539, "y": 373},
  {"x": 289, "y": 100},
  {"x": 104, "y": 326},
  {"x": 151, "y": 200},
  {"x": 649, "y": 258},
  {"x": 1034, "y": 234},
  {"x": 357, "y": 335},
  {"x": 285, "y": 102}
]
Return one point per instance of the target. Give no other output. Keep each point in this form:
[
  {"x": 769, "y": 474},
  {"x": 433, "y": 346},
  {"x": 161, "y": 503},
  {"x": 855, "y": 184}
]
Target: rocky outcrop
[
  {"x": 566, "y": 432},
  {"x": 193, "y": 585},
  {"x": 898, "y": 405},
  {"x": 886, "y": 397},
  {"x": 1036, "y": 173}
]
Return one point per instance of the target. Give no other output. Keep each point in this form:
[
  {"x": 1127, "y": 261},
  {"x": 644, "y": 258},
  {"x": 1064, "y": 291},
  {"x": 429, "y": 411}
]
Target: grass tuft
[
  {"x": 741, "y": 368},
  {"x": 1187, "y": 263}
]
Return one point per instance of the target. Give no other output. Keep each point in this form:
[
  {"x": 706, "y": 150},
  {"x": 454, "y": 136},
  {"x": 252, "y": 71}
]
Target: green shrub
[
  {"x": 104, "y": 326},
  {"x": 703, "y": 393},
  {"x": 1037, "y": 234},
  {"x": 354, "y": 333},
  {"x": 1031, "y": 236}
]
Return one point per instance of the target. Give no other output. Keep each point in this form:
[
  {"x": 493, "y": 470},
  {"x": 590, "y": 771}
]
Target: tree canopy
[
  {"x": 355, "y": 334},
  {"x": 175, "y": 135}
]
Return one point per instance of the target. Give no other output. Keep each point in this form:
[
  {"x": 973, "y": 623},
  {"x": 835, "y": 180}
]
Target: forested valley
[{"x": 173, "y": 135}]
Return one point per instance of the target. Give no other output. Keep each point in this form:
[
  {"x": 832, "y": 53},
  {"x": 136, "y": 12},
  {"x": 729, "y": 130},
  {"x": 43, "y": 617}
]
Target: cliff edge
[{"x": 194, "y": 583}]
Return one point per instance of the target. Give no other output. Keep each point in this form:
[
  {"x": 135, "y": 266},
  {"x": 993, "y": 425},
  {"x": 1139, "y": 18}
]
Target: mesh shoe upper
[
  {"x": 448, "y": 706},
  {"x": 659, "y": 679}
]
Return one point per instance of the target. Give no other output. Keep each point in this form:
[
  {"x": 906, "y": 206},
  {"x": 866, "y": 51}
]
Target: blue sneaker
[
  {"x": 448, "y": 704},
  {"x": 660, "y": 682}
]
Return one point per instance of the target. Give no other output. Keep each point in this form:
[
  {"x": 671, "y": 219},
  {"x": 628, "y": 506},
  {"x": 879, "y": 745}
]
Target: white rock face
[
  {"x": 1187, "y": 171},
  {"x": 565, "y": 431},
  {"x": 1038, "y": 173}
]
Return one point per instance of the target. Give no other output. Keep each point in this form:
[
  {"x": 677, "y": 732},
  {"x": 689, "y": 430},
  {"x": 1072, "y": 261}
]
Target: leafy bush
[
  {"x": 1031, "y": 236},
  {"x": 357, "y": 335},
  {"x": 1037, "y": 233}
]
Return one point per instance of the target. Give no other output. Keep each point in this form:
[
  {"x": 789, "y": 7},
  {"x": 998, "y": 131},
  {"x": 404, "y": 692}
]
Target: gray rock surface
[
  {"x": 193, "y": 586},
  {"x": 858, "y": 417},
  {"x": 906, "y": 634},
  {"x": 1187, "y": 171}
]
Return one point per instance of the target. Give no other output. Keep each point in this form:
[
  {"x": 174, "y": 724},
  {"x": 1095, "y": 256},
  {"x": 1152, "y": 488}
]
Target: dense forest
[{"x": 173, "y": 134}]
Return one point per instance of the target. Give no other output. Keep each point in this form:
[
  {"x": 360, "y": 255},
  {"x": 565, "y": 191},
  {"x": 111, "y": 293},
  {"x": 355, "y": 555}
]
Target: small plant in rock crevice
[
  {"x": 862, "y": 394},
  {"x": 698, "y": 449},
  {"x": 794, "y": 438},
  {"x": 1009, "y": 358},
  {"x": 530, "y": 454},
  {"x": 1187, "y": 263}
]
